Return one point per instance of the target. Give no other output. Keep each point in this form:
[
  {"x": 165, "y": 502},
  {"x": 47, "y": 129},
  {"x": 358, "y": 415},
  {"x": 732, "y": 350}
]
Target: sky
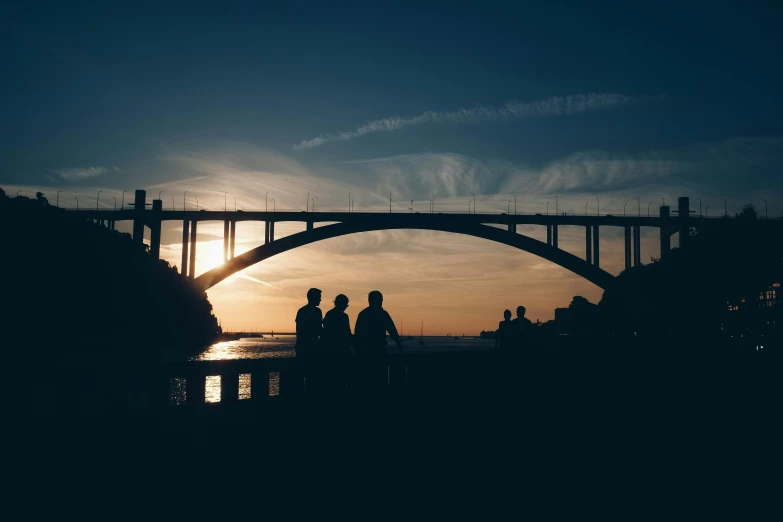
[{"x": 551, "y": 102}]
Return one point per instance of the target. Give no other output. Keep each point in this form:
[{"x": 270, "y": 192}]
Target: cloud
[
  {"x": 512, "y": 110},
  {"x": 76, "y": 174},
  {"x": 251, "y": 278}
]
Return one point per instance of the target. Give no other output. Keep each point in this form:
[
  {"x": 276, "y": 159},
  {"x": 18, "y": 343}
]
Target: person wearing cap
[
  {"x": 308, "y": 334},
  {"x": 336, "y": 341},
  {"x": 370, "y": 340}
]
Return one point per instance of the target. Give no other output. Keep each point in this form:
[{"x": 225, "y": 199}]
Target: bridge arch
[{"x": 592, "y": 273}]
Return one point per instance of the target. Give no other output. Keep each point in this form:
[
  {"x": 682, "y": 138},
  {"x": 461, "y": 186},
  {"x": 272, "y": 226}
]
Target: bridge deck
[{"x": 402, "y": 217}]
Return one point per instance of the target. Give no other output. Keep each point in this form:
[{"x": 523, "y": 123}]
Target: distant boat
[{"x": 421, "y": 338}]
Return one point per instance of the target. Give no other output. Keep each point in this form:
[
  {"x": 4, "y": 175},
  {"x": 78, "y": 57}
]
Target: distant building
[{"x": 756, "y": 322}]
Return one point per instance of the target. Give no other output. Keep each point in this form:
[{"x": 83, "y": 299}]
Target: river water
[{"x": 283, "y": 346}]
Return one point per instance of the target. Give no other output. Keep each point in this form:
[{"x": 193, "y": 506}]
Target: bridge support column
[
  {"x": 266, "y": 232},
  {"x": 554, "y": 236},
  {"x": 309, "y": 226},
  {"x": 154, "y": 224},
  {"x": 665, "y": 240},
  {"x": 138, "y": 218},
  {"x": 589, "y": 244},
  {"x": 183, "y": 268},
  {"x": 271, "y": 231},
  {"x": 226, "y": 230},
  {"x": 596, "y": 250},
  {"x": 549, "y": 235},
  {"x": 627, "y": 231},
  {"x": 512, "y": 227},
  {"x": 684, "y": 210},
  {"x": 233, "y": 239},
  {"x": 192, "y": 267},
  {"x": 637, "y": 246}
]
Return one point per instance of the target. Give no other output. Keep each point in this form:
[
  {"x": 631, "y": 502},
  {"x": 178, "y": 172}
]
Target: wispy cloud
[
  {"x": 253, "y": 279},
  {"x": 76, "y": 174},
  {"x": 512, "y": 110}
]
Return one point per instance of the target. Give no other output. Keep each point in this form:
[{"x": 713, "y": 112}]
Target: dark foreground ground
[{"x": 576, "y": 433}]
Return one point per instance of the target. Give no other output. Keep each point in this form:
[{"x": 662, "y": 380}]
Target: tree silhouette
[{"x": 686, "y": 293}]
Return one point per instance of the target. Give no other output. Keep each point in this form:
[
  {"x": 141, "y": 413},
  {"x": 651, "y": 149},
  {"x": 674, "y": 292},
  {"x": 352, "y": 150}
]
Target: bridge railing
[
  {"x": 491, "y": 212},
  {"x": 215, "y": 384}
]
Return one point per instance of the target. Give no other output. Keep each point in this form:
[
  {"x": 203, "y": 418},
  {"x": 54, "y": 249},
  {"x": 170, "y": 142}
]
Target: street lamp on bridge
[
  {"x": 586, "y": 207},
  {"x": 389, "y": 202},
  {"x": 663, "y": 202},
  {"x": 196, "y": 203},
  {"x": 433, "y": 202},
  {"x": 470, "y": 201},
  {"x": 508, "y": 207},
  {"x": 17, "y": 193},
  {"x": 725, "y": 208},
  {"x": 349, "y": 202},
  {"x": 98, "y": 199},
  {"x": 598, "y": 206},
  {"x": 274, "y": 209},
  {"x": 159, "y": 194},
  {"x": 77, "y": 202},
  {"x": 122, "y": 202},
  {"x": 707, "y": 211},
  {"x": 515, "y": 204},
  {"x": 626, "y": 204},
  {"x": 699, "y": 206},
  {"x": 235, "y": 204},
  {"x": 183, "y": 201},
  {"x": 172, "y": 203},
  {"x": 224, "y": 201},
  {"x": 57, "y": 204},
  {"x": 547, "y": 208},
  {"x": 115, "y": 203},
  {"x": 307, "y": 203},
  {"x": 474, "y": 203}
]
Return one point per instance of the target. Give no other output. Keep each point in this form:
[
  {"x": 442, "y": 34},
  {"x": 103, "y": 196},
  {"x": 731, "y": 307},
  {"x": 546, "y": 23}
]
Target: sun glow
[{"x": 209, "y": 254}]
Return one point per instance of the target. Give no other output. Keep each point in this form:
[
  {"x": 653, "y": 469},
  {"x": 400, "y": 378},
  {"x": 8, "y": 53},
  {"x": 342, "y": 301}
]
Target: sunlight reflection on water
[
  {"x": 250, "y": 348},
  {"x": 212, "y": 388}
]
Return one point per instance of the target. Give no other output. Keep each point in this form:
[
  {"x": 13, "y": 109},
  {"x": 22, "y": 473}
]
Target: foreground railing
[{"x": 198, "y": 383}]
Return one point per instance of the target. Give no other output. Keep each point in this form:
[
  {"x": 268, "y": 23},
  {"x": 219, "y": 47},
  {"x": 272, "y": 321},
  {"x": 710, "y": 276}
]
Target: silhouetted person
[
  {"x": 370, "y": 340},
  {"x": 504, "y": 337},
  {"x": 336, "y": 341},
  {"x": 521, "y": 328},
  {"x": 308, "y": 334}
]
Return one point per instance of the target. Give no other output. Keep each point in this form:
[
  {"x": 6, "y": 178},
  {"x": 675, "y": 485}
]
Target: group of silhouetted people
[
  {"x": 324, "y": 345},
  {"x": 513, "y": 334}
]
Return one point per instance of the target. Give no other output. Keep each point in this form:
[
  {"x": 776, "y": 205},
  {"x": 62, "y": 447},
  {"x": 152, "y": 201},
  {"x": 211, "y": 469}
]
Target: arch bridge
[{"x": 486, "y": 226}]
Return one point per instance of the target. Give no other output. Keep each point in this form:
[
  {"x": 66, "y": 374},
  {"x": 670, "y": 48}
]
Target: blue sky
[{"x": 608, "y": 99}]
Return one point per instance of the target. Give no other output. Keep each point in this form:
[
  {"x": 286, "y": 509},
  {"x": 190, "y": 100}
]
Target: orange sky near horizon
[{"x": 456, "y": 284}]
